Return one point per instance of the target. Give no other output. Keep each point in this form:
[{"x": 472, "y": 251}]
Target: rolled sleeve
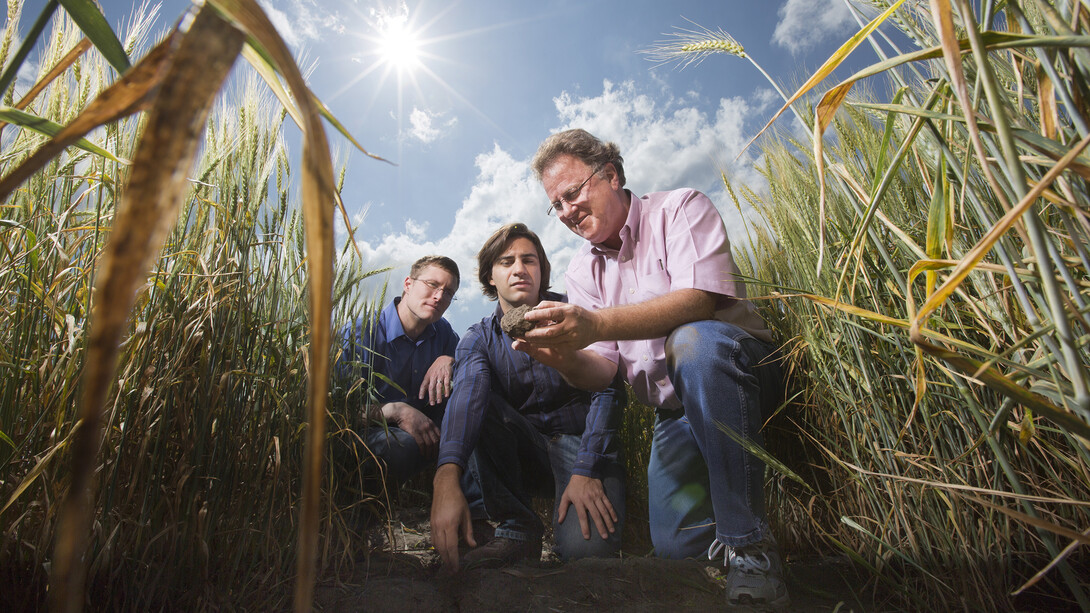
[
  {"x": 697, "y": 247},
  {"x": 598, "y": 445}
]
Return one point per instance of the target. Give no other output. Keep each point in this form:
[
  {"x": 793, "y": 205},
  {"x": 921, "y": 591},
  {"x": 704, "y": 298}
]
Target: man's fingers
[
  {"x": 431, "y": 446},
  {"x": 447, "y": 553},
  {"x": 427, "y": 438},
  {"x": 607, "y": 509},
  {"x": 468, "y": 534},
  {"x": 563, "y": 512},
  {"x": 604, "y": 510},
  {"x": 438, "y": 390},
  {"x": 584, "y": 526},
  {"x": 603, "y": 522},
  {"x": 421, "y": 439}
]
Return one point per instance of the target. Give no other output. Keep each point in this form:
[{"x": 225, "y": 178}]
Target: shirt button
[
  {"x": 631, "y": 290},
  {"x": 644, "y": 358}
]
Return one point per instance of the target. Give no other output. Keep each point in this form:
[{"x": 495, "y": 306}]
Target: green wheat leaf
[
  {"x": 89, "y": 18},
  {"x": 50, "y": 128}
]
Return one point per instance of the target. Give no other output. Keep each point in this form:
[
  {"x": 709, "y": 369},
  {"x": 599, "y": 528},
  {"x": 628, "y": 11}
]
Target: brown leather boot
[{"x": 503, "y": 551}]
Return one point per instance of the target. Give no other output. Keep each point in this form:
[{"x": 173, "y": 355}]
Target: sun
[{"x": 397, "y": 45}]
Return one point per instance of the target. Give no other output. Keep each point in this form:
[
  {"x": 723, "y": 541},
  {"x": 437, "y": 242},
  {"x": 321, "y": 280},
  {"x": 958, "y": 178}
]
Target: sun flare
[{"x": 398, "y": 46}]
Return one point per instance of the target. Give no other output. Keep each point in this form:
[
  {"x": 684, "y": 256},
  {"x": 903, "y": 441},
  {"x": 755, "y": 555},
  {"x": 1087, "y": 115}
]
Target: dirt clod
[{"x": 514, "y": 322}]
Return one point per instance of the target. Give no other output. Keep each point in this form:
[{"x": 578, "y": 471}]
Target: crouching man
[
  {"x": 655, "y": 290},
  {"x": 521, "y": 430},
  {"x": 399, "y": 366}
]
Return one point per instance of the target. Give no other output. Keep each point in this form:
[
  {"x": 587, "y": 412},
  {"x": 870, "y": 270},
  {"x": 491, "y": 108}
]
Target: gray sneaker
[{"x": 755, "y": 578}]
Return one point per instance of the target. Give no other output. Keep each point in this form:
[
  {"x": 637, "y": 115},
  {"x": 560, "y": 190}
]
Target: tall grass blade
[
  {"x": 318, "y": 189},
  {"x": 762, "y": 454},
  {"x": 1033, "y": 521},
  {"x": 969, "y": 262},
  {"x": 49, "y": 128},
  {"x": 145, "y": 215},
  {"x": 1046, "y": 100},
  {"x": 95, "y": 27},
  {"x": 132, "y": 93},
  {"x": 828, "y": 67},
  {"x": 259, "y": 58},
  {"x": 262, "y": 63},
  {"x": 12, "y": 70},
  {"x": 35, "y": 472},
  {"x": 65, "y": 62}
]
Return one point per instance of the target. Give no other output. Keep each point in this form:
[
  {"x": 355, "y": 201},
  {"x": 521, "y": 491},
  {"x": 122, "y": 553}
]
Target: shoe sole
[{"x": 746, "y": 603}]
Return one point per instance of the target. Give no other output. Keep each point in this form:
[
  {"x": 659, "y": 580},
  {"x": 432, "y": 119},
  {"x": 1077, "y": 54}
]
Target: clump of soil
[{"x": 514, "y": 322}]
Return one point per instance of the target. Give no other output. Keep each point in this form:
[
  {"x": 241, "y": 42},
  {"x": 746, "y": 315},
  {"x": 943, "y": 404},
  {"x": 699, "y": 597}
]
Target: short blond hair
[{"x": 440, "y": 261}]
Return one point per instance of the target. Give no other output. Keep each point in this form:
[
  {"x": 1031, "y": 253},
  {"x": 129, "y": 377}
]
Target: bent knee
[
  {"x": 595, "y": 547},
  {"x": 570, "y": 544},
  {"x": 684, "y": 342}
]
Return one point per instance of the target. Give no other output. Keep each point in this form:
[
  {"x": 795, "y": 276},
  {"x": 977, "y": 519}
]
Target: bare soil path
[{"x": 404, "y": 576}]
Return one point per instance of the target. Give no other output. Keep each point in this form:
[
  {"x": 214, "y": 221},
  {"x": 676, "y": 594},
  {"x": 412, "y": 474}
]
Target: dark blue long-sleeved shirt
[
  {"x": 485, "y": 363},
  {"x": 380, "y": 345}
]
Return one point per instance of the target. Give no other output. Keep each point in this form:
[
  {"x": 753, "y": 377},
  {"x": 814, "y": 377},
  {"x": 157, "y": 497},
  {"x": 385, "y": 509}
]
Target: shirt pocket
[{"x": 650, "y": 283}]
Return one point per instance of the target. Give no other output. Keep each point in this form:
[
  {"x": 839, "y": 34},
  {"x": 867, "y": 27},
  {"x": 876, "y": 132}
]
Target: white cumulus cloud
[
  {"x": 805, "y": 23},
  {"x": 666, "y": 143},
  {"x": 428, "y": 127},
  {"x": 301, "y": 21}
]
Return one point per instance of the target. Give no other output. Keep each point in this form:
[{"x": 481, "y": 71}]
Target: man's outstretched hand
[
  {"x": 562, "y": 326},
  {"x": 450, "y": 516}
]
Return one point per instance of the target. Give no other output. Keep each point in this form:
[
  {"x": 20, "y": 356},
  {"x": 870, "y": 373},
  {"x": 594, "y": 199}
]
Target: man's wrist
[
  {"x": 598, "y": 327},
  {"x": 394, "y": 412},
  {"x": 446, "y": 473}
]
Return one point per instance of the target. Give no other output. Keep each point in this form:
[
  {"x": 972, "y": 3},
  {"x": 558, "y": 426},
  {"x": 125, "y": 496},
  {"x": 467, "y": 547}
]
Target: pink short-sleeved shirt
[{"x": 670, "y": 241}]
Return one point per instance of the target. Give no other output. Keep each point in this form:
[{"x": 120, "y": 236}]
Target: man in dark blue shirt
[
  {"x": 398, "y": 367},
  {"x": 517, "y": 427}
]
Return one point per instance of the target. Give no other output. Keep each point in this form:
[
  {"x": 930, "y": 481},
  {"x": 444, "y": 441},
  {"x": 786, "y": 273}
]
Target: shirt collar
[
  {"x": 394, "y": 329},
  {"x": 630, "y": 231}
]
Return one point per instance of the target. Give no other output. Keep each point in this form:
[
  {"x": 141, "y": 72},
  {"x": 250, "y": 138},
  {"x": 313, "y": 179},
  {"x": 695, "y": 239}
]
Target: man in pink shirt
[{"x": 655, "y": 292}]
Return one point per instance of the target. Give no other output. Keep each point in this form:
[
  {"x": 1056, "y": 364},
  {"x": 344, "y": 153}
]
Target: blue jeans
[
  {"x": 702, "y": 485},
  {"x": 398, "y": 452},
  {"x": 513, "y": 462}
]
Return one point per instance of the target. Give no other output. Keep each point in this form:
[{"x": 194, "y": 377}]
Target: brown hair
[
  {"x": 440, "y": 261},
  {"x": 582, "y": 145},
  {"x": 494, "y": 247}
]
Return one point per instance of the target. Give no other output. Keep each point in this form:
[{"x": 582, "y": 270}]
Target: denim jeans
[
  {"x": 513, "y": 462},
  {"x": 702, "y": 485},
  {"x": 397, "y": 450}
]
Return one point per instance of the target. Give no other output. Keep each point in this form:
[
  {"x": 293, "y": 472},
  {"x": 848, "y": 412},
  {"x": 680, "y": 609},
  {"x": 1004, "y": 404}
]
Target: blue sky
[{"x": 495, "y": 77}]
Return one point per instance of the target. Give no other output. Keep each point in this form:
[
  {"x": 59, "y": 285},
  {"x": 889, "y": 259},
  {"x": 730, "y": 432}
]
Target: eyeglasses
[
  {"x": 448, "y": 295},
  {"x": 572, "y": 194}
]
